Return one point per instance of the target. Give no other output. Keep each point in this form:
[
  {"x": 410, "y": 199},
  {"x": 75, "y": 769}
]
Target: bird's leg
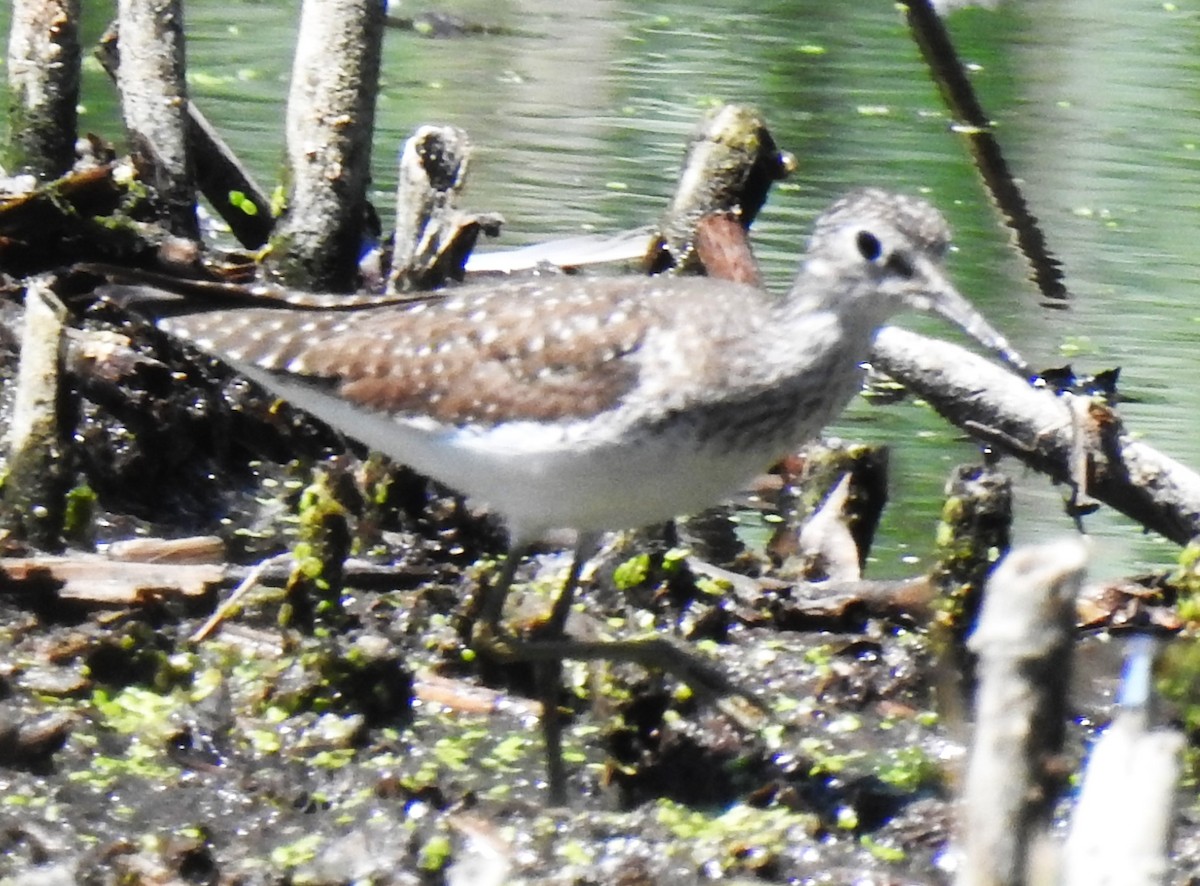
[
  {"x": 547, "y": 655},
  {"x": 586, "y": 546},
  {"x": 708, "y": 680},
  {"x": 548, "y": 672},
  {"x": 554, "y": 645},
  {"x": 547, "y": 677},
  {"x": 547, "y": 669},
  {"x": 491, "y": 605},
  {"x": 547, "y": 651}
]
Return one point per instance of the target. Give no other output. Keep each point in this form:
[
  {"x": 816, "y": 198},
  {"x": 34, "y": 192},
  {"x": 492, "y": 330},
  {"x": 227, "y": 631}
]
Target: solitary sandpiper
[{"x": 599, "y": 403}]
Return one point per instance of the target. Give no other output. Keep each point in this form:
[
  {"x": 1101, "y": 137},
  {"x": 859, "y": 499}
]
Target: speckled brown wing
[
  {"x": 525, "y": 352},
  {"x": 539, "y": 350},
  {"x": 269, "y": 338}
]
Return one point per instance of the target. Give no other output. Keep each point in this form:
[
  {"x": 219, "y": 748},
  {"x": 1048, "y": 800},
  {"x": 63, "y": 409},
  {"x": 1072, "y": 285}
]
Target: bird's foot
[{"x": 705, "y": 678}]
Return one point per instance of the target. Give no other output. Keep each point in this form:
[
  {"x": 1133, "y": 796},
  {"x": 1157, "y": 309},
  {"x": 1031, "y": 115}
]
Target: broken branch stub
[
  {"x": 433, "y": 237},
  {"x": 1023, "y": 644},
  {"x": 731, "y": 163},
  {"x": 975, "y": 530},
  {"x": 842, "y": 490},
  {"x": 722, "y": 249},
  {"x": 36, "y": 478},
  {"x": 1121, "y": 828}
]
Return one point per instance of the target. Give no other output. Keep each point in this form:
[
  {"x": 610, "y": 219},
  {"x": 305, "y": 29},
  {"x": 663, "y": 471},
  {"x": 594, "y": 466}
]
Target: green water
[{"x": 579, "y": 119}]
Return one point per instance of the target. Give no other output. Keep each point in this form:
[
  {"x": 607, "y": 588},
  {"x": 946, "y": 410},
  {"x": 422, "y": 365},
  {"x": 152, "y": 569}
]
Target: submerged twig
[
  {"x": 973, "y": 123},
  {"x": 244, "y": 587}
]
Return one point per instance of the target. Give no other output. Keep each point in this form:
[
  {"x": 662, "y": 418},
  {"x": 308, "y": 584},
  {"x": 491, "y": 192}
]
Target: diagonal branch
[{"x": 1061, "y": 435}]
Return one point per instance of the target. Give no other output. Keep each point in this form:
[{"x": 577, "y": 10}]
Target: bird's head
[{"x": 884, "y": 251}]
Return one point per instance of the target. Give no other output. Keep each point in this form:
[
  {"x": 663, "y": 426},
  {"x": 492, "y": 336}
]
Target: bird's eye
[{"x": 869, "y": 246}]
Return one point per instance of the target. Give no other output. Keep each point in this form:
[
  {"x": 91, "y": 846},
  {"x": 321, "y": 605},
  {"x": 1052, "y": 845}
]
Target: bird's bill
[{"x": 942, "y": 298}]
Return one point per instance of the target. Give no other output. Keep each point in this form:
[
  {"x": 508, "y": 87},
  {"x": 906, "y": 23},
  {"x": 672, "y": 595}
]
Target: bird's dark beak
[{"x": 939, "y": 296}]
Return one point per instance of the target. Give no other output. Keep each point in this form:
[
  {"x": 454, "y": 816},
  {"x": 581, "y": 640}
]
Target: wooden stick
[
  {"x": 974, "y": 531},
  {"x": 731, "y": 163},
  {"x": 220, "y": 175},
  {"x": 96, "y": 580},
  {"x": 1121, "y": 829},
  {"x": 1039, "y": 427},
  {"x": 244, "y": 587},
  {"x": 1023, "y": 642},
  {"x": 975, "y": 126},
  {"x": 433, "y": 237},
  {"x": 34, "y": 490}
]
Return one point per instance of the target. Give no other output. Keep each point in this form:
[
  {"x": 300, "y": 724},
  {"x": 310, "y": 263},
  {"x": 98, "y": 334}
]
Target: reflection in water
[{"x": 581, "y": 111}]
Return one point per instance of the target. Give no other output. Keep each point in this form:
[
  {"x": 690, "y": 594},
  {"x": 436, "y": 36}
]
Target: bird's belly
[{"x": 600, "y": 487}]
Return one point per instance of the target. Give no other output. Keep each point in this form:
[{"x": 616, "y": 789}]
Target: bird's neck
[{"x": 819, "y": 288}]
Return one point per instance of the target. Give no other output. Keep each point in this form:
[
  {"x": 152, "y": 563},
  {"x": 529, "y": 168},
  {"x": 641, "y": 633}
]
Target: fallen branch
[
  {"x": 91, "y": 578},
  {"x": 56, "y": 223},
  {"x": 1047, "y": 431}
]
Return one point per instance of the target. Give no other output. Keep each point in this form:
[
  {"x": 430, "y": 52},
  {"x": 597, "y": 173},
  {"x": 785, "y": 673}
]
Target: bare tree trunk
[
  {"x": 43, "y": 82},
  {"x": 220, "y": 175},
  {"x": 330, "y": 123},
  {"x": 154, "y": 104}
]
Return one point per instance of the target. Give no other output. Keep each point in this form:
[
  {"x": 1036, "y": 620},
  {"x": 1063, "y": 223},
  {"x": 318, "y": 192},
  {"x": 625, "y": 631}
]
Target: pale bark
[
  {"x": 330, "y": 124},
  {"x": 43, "y": 84},
  {"x": 151, "y": 79}
]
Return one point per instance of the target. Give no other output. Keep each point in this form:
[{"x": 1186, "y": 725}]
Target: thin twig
[{"x": 251, "y": 579}]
